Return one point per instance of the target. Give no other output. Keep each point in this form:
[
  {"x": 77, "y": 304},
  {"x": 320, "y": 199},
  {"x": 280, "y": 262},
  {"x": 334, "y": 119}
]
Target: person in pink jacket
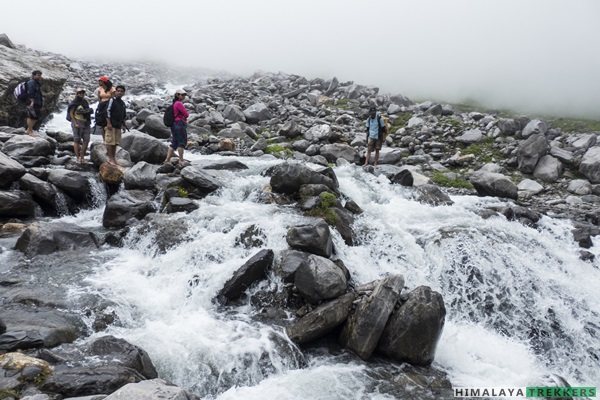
[{"x": 179, "y": 128}]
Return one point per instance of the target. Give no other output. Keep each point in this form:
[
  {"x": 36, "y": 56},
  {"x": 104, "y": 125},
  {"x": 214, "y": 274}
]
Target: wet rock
[
  {"x": 314, "y": 239},
  {"x": 319, "y": 279},
  {"x": 413, "y": 331},
  {"x": 253, "y": 270}
]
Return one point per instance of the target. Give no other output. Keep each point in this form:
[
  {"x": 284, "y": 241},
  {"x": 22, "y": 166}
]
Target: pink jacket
[{"x": 180, "y": 112}]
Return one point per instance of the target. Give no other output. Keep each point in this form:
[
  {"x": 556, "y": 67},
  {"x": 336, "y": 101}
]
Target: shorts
[
  {"x": 112, "y": 136},
  {"x": 178, "y": 135},
  {"x": 374, "y": 144},
  {"x": 81, "y": 133},
  {"x": 33, "y": 112}
]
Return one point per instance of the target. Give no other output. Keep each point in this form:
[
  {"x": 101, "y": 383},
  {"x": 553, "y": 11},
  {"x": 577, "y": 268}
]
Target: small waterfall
[
  {"x": 60, "y": 204},
  {"x": 98, "y": 191}
]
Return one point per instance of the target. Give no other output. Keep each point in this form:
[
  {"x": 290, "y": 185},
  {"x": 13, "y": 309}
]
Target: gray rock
[
  {"x": 322, "y": 320},
  {"x": 151, "y": 389},
  {"x": 534, "y": 127},
  {"x": 10, "y": 171},
  {"x": 413, "y": 331},
  {"x": 252, "y": 271},
  {"x": 590, "y": 165},
  {"x": 530, "y": 151},
  {"x": 143, "y": 147},
  {"x": 492, "y": 184},
  {"x": 141, "y": 176},
  {"x": 155, "y": 127},
  {"x": 548, "y": 169},
  {"x": 16, "y": 204},
  {"x": 127, "y": 204},
  {"x": 319, "y": 278},
  {"x": 314, "y": 239},
  {"x": 48, "y": 237},
  {"x": 364, "y": 327}
]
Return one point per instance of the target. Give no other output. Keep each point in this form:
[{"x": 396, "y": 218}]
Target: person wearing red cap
[{"x": 105, "y": 92}]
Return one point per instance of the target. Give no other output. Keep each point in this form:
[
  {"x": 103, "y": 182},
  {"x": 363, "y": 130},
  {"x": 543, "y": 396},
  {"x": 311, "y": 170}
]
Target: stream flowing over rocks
[{"x": 291, "y": 137}]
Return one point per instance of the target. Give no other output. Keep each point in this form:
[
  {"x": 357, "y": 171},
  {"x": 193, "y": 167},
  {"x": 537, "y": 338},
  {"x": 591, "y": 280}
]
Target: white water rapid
[{"x": 520, "y": 303}]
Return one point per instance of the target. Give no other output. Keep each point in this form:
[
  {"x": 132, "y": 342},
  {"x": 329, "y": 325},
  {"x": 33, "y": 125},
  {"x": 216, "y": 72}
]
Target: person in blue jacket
[{"x": 34, "y": 101}]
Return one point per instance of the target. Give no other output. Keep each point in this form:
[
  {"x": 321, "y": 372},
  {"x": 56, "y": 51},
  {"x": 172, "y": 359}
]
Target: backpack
[
  {"x": 101, "y": 113},
  {"x": 20, "y": 92},
  {"x": 383, "y": 130},
  {"x": 169, "y": 117}
]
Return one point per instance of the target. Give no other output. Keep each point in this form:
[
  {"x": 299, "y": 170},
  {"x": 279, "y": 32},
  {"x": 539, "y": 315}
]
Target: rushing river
[{"x": 520, "y": 303}]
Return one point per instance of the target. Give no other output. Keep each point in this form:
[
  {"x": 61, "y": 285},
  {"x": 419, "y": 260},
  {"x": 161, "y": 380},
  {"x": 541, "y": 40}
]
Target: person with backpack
[
  {"x": 105, "y": 92},
  {"x": 34, "y": 101},
  {"x": 116, "y": 113},
  {"x": 375, "y": 127},
  {"x": 179, "y": 127},
  {"x": 80, "y": 115}
]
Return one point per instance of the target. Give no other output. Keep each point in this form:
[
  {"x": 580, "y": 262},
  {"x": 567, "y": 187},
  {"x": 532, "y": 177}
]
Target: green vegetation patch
[
  {"x": 277, "y": 149},
  {"x": 325, "y": 210},
  {"x": 9, "y": 393},
  {"x": 401, "y": 121},
  {"x": 442, "y": 180},
  {"x": 484, "y": 150}
]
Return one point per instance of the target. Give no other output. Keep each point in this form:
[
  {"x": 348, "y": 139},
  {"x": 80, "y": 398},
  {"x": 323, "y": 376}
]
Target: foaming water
[{"x": 520, "y": 302}]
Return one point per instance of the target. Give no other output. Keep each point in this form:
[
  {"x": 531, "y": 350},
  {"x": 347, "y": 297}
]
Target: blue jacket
[{"x": 34, "y": 91}]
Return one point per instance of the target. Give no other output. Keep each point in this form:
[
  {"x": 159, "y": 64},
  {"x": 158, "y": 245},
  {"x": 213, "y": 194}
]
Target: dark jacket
[
  {"x": 34, "y": 91},
  {"x": 116, "y": 112},
  {"x": 86, "y": 111}
]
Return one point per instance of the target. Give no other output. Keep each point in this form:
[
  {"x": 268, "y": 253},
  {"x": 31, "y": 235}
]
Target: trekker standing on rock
[
  {"x": 373, "y": 124},
  {"x": 105, "y": 92},
  {"x": 34, "y": 100},
  {"x": 81, "y": 119},
  {"x": 115, "y": 123},
  {"x": 179, "y": 128}
]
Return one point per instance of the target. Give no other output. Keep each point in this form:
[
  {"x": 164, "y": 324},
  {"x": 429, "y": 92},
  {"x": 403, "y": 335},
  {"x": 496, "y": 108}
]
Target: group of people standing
[
  {"x": 111, "y": 114},
  {"x": 110, "y": 117}
]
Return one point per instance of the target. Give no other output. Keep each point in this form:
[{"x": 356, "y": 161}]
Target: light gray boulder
[
  {"x": 492, "y": 184},
  {"x": 534, "y": 127},
  {"x": 590, "y": 165},
  {"x": 257, "y": 112},
  {"x": 580, "y": 187},
  {"x": 141, "y": 176},
  {"x": 548, "y": 169},
  {"x": 530, "y": 151},
  {"x": 471, "y": 136},
  {"x": 151, "y": 389},
  {"x": 530, "y": 186},
  {"x": 143, "y": 147},
  {"x": 234, "y": 113},
  {"x": 155, "y": 127},
  {"x": 318, "y": 133},
  {"x": 332, "y": 152}
]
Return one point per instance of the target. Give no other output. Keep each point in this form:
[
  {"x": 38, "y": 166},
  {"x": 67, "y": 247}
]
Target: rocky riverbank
[{"x": 431, "y": 147}]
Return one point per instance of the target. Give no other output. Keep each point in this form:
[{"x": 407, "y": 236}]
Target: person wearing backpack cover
[
  {"x": 179, "y": 128},
  {"x": 374, "y": 140},
  {"x": 80, "y": 115},
  {"x": 116, "y": 112},
  {"x": 34, "y": 100}
]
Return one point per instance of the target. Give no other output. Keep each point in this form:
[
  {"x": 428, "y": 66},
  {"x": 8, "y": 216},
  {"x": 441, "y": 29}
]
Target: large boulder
[
  {"x": 365, "y": 325},
  {"x": 413, "y": 331},
  {"x": 16, "y": 204},
  {"x": 257, "y": 112},
  {"x": 143, "y": 147},
  {"x": 314, "y": 239},
  {"x": 202, "y": 181},
  {"x": 530, "y": 151},
  {"x": 47, "y": 195},
  {"x": 319, "y": 278},
  {"x": 548, "y": 169},
  {"x": 252, "y": 271},
  {"x": 590, "y": 164},
  {"x": 119, "y": 351},
  {"x": 15, "y": 67},
  {"x": 150, "y": 389},
  {"x": 534, "y": 127},
  {"x": 493, "y": 184},
  {"x": 322, "y": 320},
  {"x": 155, "y": 127},
  {"x": 127, "y": 204},
  {"x": 10, "y": 171},
  {"x": 234, "y": 113},
  {"x": 332, "y": 152},
  {"x": 47, "y": 237},
  {"x": 73, "y": 183},
  {"x": 289, "y": 177},
  {"x": 20, "y": 146},
  {"x": 141, "y": 176}
]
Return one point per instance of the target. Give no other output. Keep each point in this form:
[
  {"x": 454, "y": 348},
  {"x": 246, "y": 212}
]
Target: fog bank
[{"x": 535, "y": 56}]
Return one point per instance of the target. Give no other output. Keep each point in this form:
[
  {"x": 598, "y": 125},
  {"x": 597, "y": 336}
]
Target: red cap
[{"x": 103, "y": 78}]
